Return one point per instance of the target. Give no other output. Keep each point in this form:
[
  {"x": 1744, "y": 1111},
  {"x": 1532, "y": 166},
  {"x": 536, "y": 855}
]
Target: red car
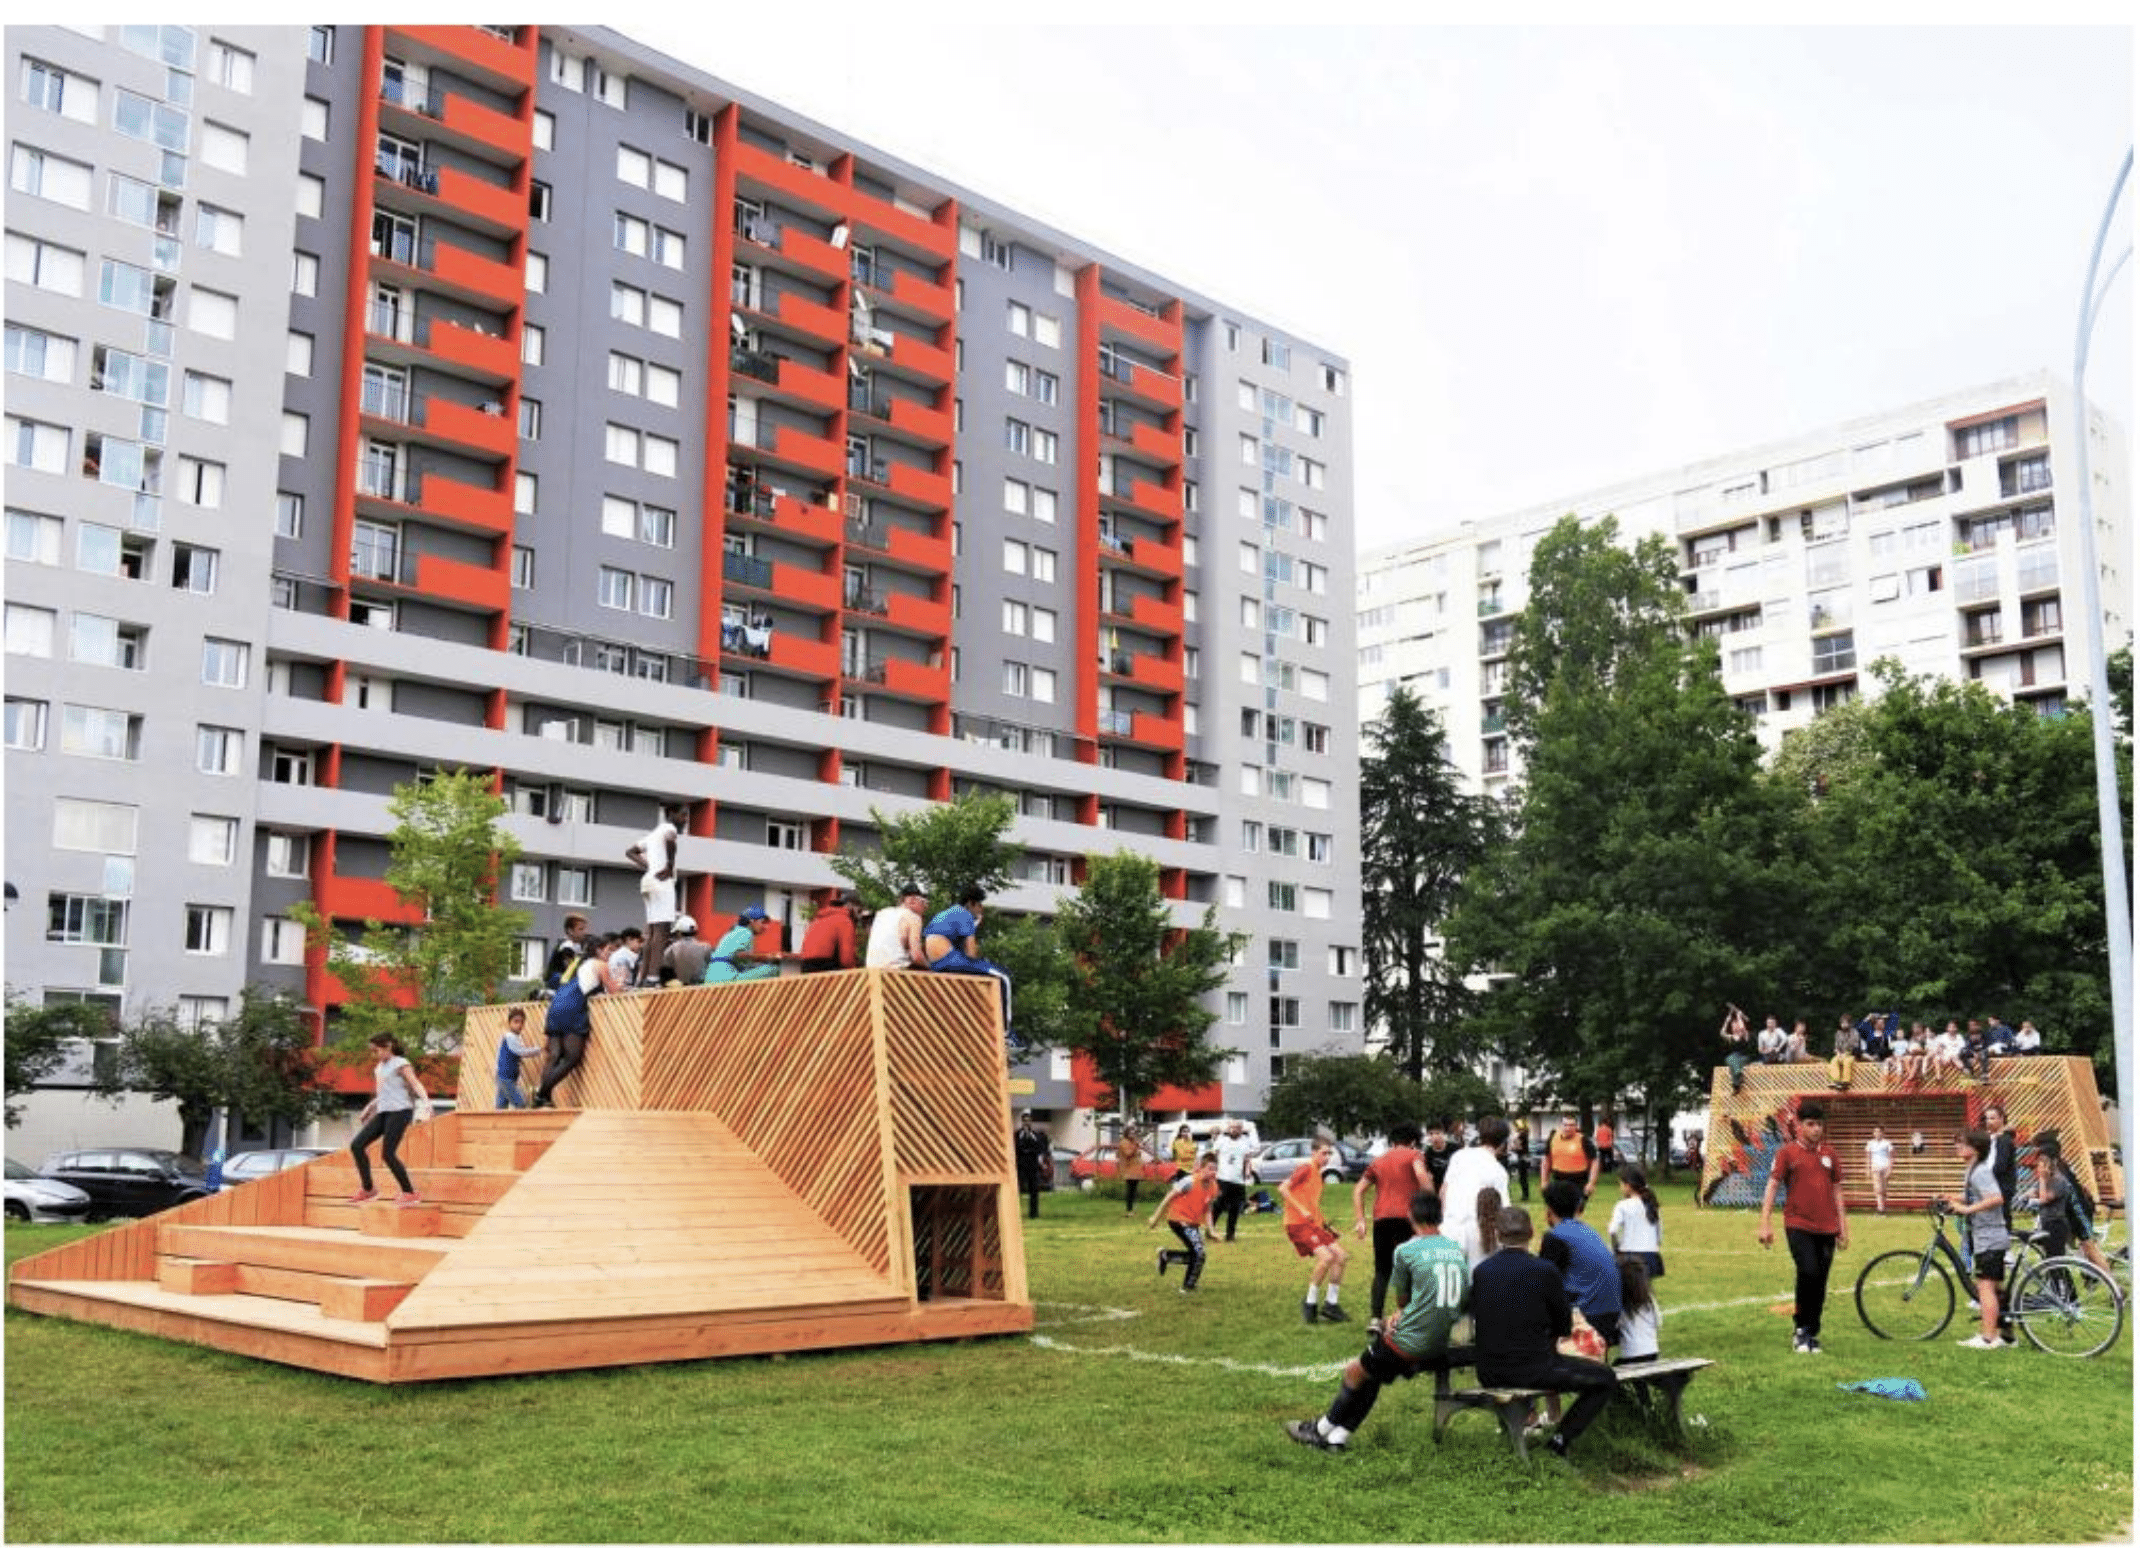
[{"x": 1102, "y": 1161}]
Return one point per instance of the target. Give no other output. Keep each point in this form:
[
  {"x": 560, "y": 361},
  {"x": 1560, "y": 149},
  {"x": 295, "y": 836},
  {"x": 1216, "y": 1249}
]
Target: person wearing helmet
[{"x": 685, "y": 960}]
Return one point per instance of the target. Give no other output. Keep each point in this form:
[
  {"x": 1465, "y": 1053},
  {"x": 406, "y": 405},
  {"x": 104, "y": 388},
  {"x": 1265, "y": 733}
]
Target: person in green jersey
[{"x": 1432, "y": 1281}]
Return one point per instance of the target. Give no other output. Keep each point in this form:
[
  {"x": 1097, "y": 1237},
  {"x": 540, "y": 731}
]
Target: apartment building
[
  {"x": 1945, "y": 534},
  {"x": 387, "y": 398}
]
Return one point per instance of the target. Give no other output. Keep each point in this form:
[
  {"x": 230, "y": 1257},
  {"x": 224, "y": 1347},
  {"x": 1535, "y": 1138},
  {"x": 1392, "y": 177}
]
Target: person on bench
[
  {"x": 1520, "y": 1313},
  {"x": 1433, "y": 1285}
]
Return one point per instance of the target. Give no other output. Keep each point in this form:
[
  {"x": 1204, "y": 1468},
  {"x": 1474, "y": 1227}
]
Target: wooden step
[
  {"x": 307, "y": 1249},
  {"x": 335, "y": 1183},
  {"x": 397, "y": 1220},
  {"x": 336, "y": 1295},
  {"x": 503, "y": 1155}
]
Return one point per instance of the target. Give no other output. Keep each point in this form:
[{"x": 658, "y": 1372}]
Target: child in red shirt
[
  {"x": 1312, "y": 1238},
  {"x": 1187, "y": 1207}
]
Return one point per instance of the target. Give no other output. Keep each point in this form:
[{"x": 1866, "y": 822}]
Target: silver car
[
  {"x": 31, "y": 1197},
  {"x": 249, "y": 1164}
]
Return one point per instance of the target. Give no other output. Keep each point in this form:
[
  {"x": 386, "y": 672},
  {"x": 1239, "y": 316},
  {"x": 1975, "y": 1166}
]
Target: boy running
[
  {"x": 1433, "y": 1289},
  {"x": 1312, "y": 1237},
  {"x": 1187, "y": 1206}
]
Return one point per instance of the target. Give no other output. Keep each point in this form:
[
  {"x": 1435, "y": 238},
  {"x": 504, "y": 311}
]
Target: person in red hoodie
[{"x": 829, "y": 944}]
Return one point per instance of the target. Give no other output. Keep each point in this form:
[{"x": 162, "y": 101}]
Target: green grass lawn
[{"x": 1134, "y": 1414}]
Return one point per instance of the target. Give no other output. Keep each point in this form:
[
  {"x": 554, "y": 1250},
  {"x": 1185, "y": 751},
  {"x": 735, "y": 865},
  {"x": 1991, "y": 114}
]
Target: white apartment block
[{"x": 1945, "y": 534}]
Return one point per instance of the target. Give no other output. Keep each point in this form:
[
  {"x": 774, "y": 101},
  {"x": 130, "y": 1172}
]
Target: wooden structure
[
  {"x": 2039, "y": 1092},
  {"x": 802, "y": 1163}
]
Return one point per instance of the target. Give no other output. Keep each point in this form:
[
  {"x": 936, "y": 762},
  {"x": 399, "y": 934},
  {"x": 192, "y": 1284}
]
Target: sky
[{"x": 1556, "y": 256}]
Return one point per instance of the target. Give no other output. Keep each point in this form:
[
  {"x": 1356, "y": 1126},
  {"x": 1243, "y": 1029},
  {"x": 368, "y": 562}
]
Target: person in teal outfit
[{"x": 734, "y": 947}]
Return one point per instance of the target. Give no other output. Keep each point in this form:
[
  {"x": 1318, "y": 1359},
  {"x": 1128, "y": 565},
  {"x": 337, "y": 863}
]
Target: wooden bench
[{"x": 1653, "y": 1386}]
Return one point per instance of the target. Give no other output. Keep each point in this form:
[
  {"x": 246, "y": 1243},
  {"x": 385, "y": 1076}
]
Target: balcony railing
[
  {"x": 752, "y": 636},
  {"x": 747, "y": 570},
  {"x": 870, "y": 468},
  {"x": 1115, "y": 722},
  {"x": 864, "y": 401},
  {"x": 757, "y": 363},
  {"x": 865, "y": 599},
  {"x": 749, "y": 500},
  {"x": 405, "y": 94},
  {"x": 867, "y": 534}
]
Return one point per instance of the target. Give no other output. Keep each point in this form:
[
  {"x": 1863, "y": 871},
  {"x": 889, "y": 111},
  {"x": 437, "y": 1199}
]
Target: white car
[{"x": 31, "y": 1197}]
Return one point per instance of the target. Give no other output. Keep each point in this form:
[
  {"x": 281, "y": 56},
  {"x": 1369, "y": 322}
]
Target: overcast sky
[{"x": 1556, "y": 256}]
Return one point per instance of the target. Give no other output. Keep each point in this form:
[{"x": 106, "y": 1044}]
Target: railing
[
  {"x": 761, "y": 229},
  {"x": 757, "y": 363},
  {"x": 398, "y": 323},
  {"x": 867, "y": 271},
  {"x": 1115, "y": 722},
  {"x": 747, "y": 570},
  {"x": 753, "y": 637},
  {"x": 405, "y": 95},
  {"x": 1113, "y": 543},
  {"x": 875, "y": 404},
  {"x": 749, "y": 500},
  {"x": 408, "y": 176},
  {"x": 870, "y": 468},
  {"x": 863, "y": 599},
  {"x": 1490, "y": 607},
  {"x": 596, "y": 654},
  {"x": 867, "y": 534},
  {"x": 378, "y": 478},
  {"x": 387, "y": 400}
]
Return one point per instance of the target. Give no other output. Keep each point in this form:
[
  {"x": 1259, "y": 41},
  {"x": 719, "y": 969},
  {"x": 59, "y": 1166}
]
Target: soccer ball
[{"x": 1085, "y": 1186}]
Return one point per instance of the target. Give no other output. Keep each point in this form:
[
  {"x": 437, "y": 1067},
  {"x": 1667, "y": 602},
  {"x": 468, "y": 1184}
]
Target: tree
[
  {"x": 260, "y": 1063},
  {"x": 964, "y": 842},
  {"x": 1348, "y": 1094},
  {"x": 1644, "y": 883},
  {"x": 416, "y": 980},
  {"x": 1960, "y": 873},
  {"x": 38, "y": 1038},
  {"x": 1420, "y": 833},
  {"x": 1141, "y": 981}
]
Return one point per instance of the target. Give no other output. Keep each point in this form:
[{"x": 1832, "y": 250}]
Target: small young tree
[
  {"x": 416, "y": 980},
  {"x": 1141, "y": 981},
  {"x": 37, "y": 1037},
  {"x": 260, "y": 1063},
  {"x": 950, "y": 845}
]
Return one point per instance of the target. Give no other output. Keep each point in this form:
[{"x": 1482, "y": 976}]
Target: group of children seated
[{"x": 1908, "y": 1058}]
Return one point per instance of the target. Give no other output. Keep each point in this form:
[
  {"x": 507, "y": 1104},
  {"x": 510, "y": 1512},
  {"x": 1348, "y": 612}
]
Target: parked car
[
  {"x": 129, "y": 1180},
  {"x": 1280, "y": 1157},
  {"x": 249, "y": 1164},
  {"x": 31, "y": 1197},
  {"x": 1102, "y": 1162},
  {"x": 1058, "y": 1174}
]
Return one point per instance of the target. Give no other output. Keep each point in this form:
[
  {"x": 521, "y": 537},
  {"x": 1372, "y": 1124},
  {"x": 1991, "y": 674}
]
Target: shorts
[
  {"x": 1309, "y": 1237},
  {"x": 1991, "y": 1265},
  {"x": 660, "y": 898},
  {"x": 1386, "y": 1363}
]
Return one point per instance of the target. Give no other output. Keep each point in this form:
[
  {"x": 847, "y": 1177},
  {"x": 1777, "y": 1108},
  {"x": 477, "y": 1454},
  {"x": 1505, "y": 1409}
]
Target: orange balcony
[
  {"x": 1156, "y": 442},
  {"x": 1157, "y": 673},
  {"x": 744, "y": 574},
  {"x": 902, "y": 546},
  {"x": 470, "y": 427},
  {"x": 482, "y": 280},
  {"x": 486, "y": 131},
  {"x": 917, "y": 358},
  {"x": 917, "y": 614},
  {"x": 506, "y": 64},
  {"x": 499, "y": 211},
  {"x": 464, "y": 505},
  {"x": 919, "y": 485},
  {"x": 1131, "y": 322},
  {"x": 807, "y": 254},
  {"x": 1149, "y": 730},
  {"x": 906, "y": 291},
  {"x": 1153, "y": 614},
  {"x": 917, "y": 233},
  {"x": 363, "y": 897},
  {"x": 918, "y": 421},
  {"x": 1120, "y": 378},
  {"x": 488, "y": 356},
  {"x": 806, "y": 519},
  {"x": 794, "y": 185},
  {"x": 472, "y": 585},
  {"x": 825, "y": 324},
  {"x": 819, "y": 389},
  {"x": 1141, "y": 494},
  {"x": 798, "y": 655},
  {"x": 905, "y": 679},
  {"x": 793, "y": 448}
]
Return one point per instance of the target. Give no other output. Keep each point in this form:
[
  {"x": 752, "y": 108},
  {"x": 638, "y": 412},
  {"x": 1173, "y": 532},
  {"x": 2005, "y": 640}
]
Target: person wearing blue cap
[
  {"x": 734, "y": 948},
  {"x": 952, "y": 944}
]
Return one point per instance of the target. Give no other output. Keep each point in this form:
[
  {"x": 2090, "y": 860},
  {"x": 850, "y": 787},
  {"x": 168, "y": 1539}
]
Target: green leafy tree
[
  {"x": 261, "y": 1063},
  {"x": 38, "y": 1039},
  {"x": 1141, "y": 981},
  {"x": 1421, "y": 832},
  {"x": 1960, "y": 873},
  {"x": 1348, "y": 1094},
  {"x": 1644, "y": 882},
  {"x": 965, "y": 842},
  {"x": 416, "y": 981}
]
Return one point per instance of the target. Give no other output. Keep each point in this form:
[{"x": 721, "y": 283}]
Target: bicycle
[{"x": 2065, "y": 1305}]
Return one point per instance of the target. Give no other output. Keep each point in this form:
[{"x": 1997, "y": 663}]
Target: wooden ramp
[
  {"x": 804, "y": 1164},
  {"x": 2039, "y": 1092}
]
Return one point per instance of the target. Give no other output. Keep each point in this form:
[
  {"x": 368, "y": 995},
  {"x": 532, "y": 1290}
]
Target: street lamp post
[{"x": 2117, "y": 911}]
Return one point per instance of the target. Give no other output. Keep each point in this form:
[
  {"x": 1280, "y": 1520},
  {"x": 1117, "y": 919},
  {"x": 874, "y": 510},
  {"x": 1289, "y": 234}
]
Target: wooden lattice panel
[
  {"x": 941, "y": 1030},
  {"x": 607, "y": 1077}
]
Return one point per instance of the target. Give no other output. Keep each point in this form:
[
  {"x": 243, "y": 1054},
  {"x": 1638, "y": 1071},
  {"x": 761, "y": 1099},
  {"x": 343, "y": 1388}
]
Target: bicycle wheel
[
  {"x": 1905, "y": 1295},
  {"x": 2068, "y": 1306}
]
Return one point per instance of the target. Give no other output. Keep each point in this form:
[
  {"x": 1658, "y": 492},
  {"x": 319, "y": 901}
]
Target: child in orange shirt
[
  {"x": 1187, "y": 1207},
  {"x": 1312, "y": 1238}
]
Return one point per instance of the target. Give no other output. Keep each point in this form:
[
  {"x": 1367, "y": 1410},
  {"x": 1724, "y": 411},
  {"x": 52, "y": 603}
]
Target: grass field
[{"x": 1133, "y": 1414}]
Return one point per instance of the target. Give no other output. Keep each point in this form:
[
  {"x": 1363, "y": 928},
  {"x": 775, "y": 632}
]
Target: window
[
  {"x": 1044, "y": 564},
  {"x": 1017, "y": 557},
  {"x": 26, "y": 724},
  {"x": 304, "y": 274},
  {"x": 657, "y": 596},
  {"x": 289, "y": 515},
  {"x": 530, "y": 883},
  {"x": 218, "y": 749},
  {"x": 1045, "y": 446},
  {"x": 33, "y": 539},
  {"x": 89, "y": 732},
  {"x": 539, "y": 200},
  {"x": 73, "y": 920},
  {"x": 53, "y": 89},
  {"x": 1236, "y": 1009},
  {"x": 575, "y": 886},
  {"x": 194, "y": 568},
  {"x": 1016, "y": 678},
  {"x": 531, "y": 419},
  {"x": 224, "y": 149},
  {"x": 1835, "y": 652},
  {"x": 538, "y": 273},
  {"x": 207, "y": 930},
  {"x": 100, "y": 641},
  {"x": 212, "y": 313},
  {"x": 288, "y": 854},
  {"x": 615, "y": 588},
  {"x": 206, "y": 397},
  {"x": 532, "y": 340},
  {"x": 224, "y": 662},
  {"x": 524, "y": 491},
  {"x": 282, "y": 941},
  {"x": 36, "y": 446},
  {"x": 33, "y": 352},
  {"x": 212, "y": 840},
  {"x": 43, "y": 175},
  {"x": 1019, "y": 319},
  {"x": 230, "y": 67},
  {"x": 1018, "y": 436},
  {"x": 44, "y": 266},
  {"x": 297, "y": 354},
  {"x": 1283, "y": 896},
  {"x": 290, "y": 765},
  {"x": 545, "y": 130}
]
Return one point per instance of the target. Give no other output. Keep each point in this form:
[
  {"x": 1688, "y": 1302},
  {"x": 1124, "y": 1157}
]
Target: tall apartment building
[
  {"x": 1945, "y": 534},
  {"x": 383, "y": 398}
]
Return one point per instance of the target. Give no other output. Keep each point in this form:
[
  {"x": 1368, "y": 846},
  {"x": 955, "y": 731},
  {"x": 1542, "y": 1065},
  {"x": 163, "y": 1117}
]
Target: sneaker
[
  {"x": 1332, "y": 1312},
  {"x": 1812, "y": 1344},
  {"x": 364, "y": 1195},
  {"x": 410, "y": 1198},
  {"x": 1304, "y": 1431},
  {"x": 1557, "y": 1444},
  {"x": 1188, "y": 1289},
  {"x": 1307, "y": 1313},
  {"x": 1162, "y": 1263},
  {"x": 1979, "y": 1341},
  {"x": 1800, "y": 1344}
]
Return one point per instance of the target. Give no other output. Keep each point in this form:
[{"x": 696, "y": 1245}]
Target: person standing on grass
[
  {"x": 570, "y": 1020},
  {"x": 1520, "y": 1312},
  {"x": 512, "y": 1048},
  {"x": 1312, "y": 1237},
  {"x": 1636, "y": 1227},
  {"x": 1475, "y": 1186},
  {"x": 387, "y": 1117},
  {"x": 1433, "y": 1289},
  {"x": 1879, "y": 1166},
  {"x": 1520, "y": 1153},
  {"x": 1129, "y": 1166},
  {"x": 1983, "y": 1206},
  {"x": 1030, "y": 1147},
  {"x": 1188, "y": 1207},
  {"x": 2001, "y": 1159},
  {"x": 1570, "y": 1157},
  {"x": 1184, "y": 1149},
  {"x": 1437, "y": 1154},
  {"x": 1395, "y": 1176},
  {"x": 1236, "y": 1153},
  {"x": 1815, "y": 1224}
]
